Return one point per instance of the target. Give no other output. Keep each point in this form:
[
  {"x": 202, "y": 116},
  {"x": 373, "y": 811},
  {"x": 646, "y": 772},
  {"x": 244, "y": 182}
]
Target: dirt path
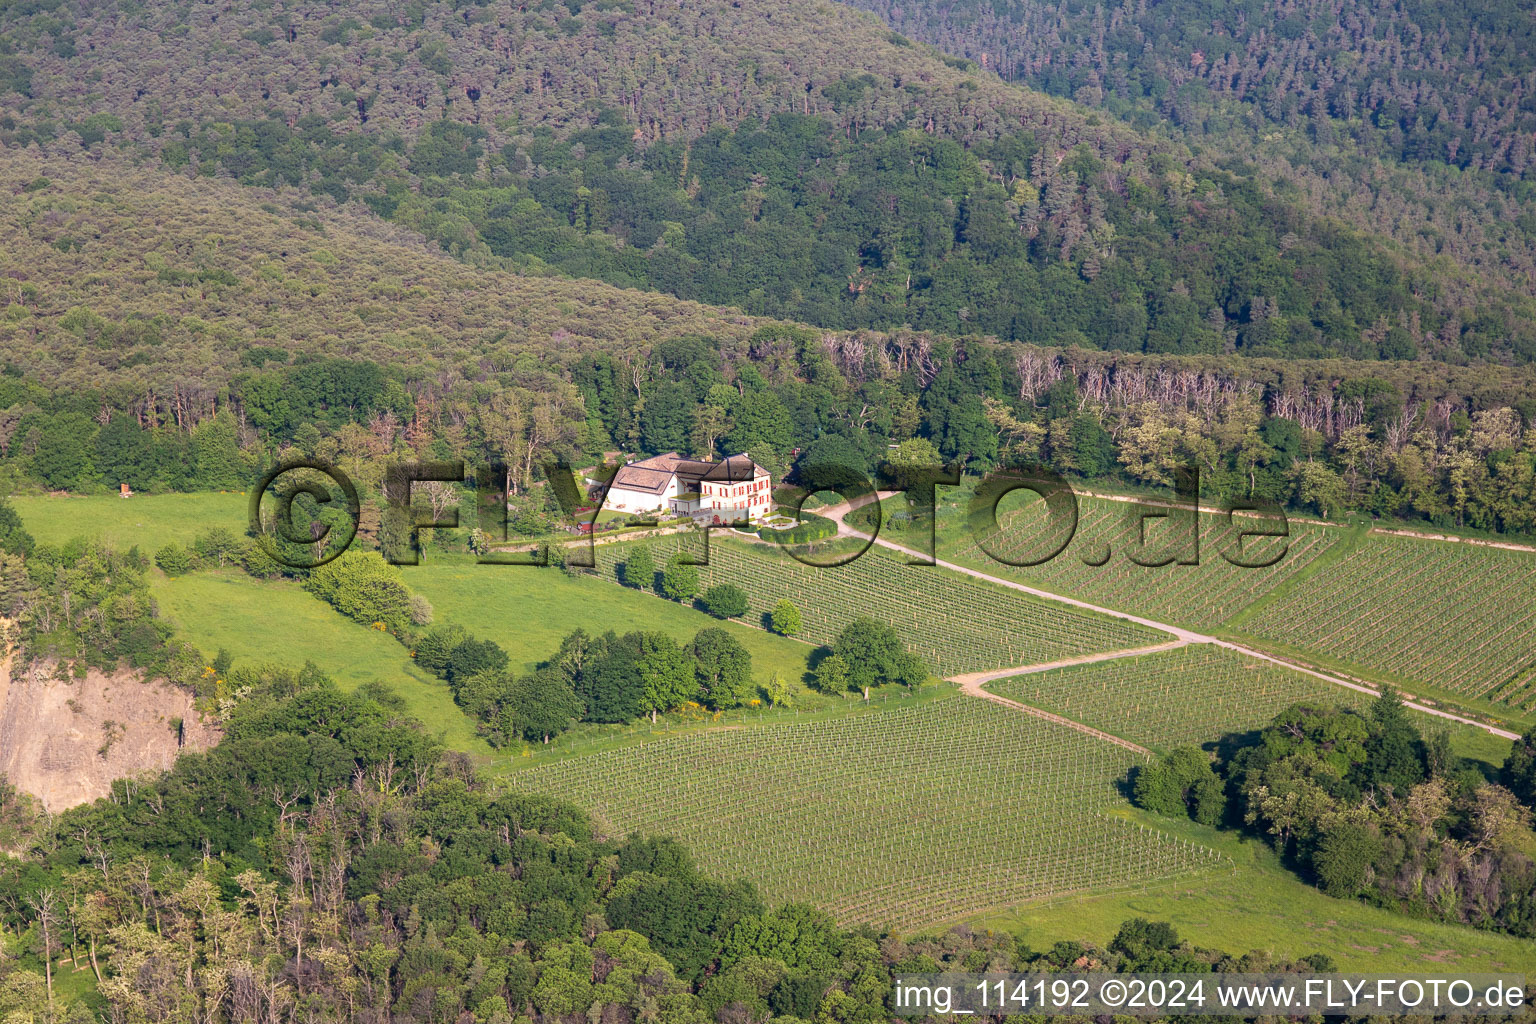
[
  {"x": 1214, "y": 510},
  {"x": 1185, "y": 636},
  {"x": 976, "y": 680},
  {"x": 974, "y": 684},
  {"x": 1446, "y": 539}
]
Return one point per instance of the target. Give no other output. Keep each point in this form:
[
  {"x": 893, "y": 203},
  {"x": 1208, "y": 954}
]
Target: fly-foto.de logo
[{"x": 307, "y": 512}]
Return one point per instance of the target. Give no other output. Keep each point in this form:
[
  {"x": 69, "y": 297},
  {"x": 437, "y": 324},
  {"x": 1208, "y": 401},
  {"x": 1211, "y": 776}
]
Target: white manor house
[{"x": 733, "y": 489}]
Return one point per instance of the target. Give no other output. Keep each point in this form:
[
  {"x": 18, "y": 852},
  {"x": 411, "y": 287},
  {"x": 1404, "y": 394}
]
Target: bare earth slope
[{"x": 54, "y": 733}]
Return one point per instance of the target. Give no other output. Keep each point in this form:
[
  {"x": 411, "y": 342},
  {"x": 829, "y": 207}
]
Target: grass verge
[{"x": 1259, "y": 904}]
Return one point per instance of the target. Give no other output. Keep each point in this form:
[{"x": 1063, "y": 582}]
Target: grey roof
[
  {"x": 651, "y": 476},
  {"x": 732, "y": 470}
]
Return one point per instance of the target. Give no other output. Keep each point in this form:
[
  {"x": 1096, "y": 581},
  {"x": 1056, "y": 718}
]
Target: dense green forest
[
  {"x": 870, "y": 184},
  {"x": 1383, "y": 444},
  {"x": 132, "y": 359},
  {"x": 1364, "y": 805},
  {"x": 974, "y": 244},
  {"x": 792, "y": 220},
  {"x": 1407, "y": 119},
  {"x": 1424, "y": 81}
]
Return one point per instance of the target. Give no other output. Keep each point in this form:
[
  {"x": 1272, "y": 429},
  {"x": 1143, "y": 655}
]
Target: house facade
[{"x": 731, "y": 490}]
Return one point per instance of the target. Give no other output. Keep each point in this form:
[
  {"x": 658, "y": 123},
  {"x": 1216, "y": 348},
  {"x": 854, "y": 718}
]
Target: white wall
[{"x": 621, "y": 499}]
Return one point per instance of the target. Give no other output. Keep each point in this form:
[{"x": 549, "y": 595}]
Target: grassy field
[
  {"x": 526, "y": 610},
  {"x": 955, "y": 623},
  {"x": 909, "y": 817},
  {"x": 277, "y": 622},
  {"x": 148, "y": 520},
  {"x": 1259, "y": 904},
  {"x": 257, "y": 622},
  {"x": 529, "y": 610}
]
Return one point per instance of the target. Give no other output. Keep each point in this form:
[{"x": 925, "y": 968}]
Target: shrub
[
  {"x": 141, "y": 645},
  {"x": 481, "y": 696},
  {"x": 13, "y": 536},
  {"x": 436, "y": 646},
  {"x": 364, "y": 587},
  {"x": 874, "y": 656},
  {"x": 1520, "y": 768},
  {"x": 832, "y": 675},
  {"x": 725, "y": 601},
  {"x": 174, "y": 560},
  {"x": 421, "y": 611},
  {"x": 542, "y": 705},
  {"x": 810, "y": 528},
  {"x": 1346, "y": 851},
  {"x": 786, "y": 618},
  {"x": 217, "y": 546},
  {"x": 1139, "y": 939},
  {"x": 253, "y": 558},
  {"x": 668, "y": 674},
  {"x": 473, "y": 657},
  {"x": 724, "y": 668},
  {"x": 640, "y": 569},
  {"x": 1182, "y": 783}
]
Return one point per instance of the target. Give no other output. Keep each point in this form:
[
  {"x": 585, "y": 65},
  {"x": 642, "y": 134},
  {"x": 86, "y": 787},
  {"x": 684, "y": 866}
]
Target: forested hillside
[
  {"x": 1408, "y": 119},
  {"x": 790, "y": 158},
  {"x": 200, "y": 279},
  {"x": 177, "y": 334},
  {"x": 1428, "y": 81},
  {"x": 673, "y": 69},
  {"x": 124, "y": 274}
]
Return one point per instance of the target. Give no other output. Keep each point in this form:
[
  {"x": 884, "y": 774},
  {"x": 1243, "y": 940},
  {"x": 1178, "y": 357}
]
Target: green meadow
[
  {"x": 1258, "y": 904},
  {"x": 527, "y": 610},
  {"x": 149, "y": 520},
  {"x": 277, "y": 622},
  {"x": 274, "y": 622}
]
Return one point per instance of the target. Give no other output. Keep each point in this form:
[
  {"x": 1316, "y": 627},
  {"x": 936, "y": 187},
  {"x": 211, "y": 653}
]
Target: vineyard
[
  {"x": 911, "y": 817},
  {"x": 954, "y": 622},
  {"x": 1188, "y": 695},
  {"x": 1455, "y": 616},
  {"x": 1197, "y": 596}
]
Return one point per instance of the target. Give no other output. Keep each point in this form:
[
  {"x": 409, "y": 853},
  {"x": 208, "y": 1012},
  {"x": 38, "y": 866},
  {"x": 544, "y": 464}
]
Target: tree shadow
[
  {"x": 1126, "y": 784},
  {"x": 812, "y": 662}
]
